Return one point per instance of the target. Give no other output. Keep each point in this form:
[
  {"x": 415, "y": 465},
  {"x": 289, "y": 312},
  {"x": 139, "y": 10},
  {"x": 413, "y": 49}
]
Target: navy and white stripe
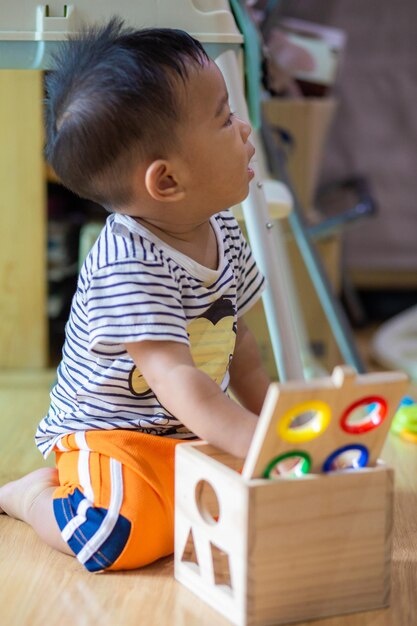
[{"x": 134, "y": 287}]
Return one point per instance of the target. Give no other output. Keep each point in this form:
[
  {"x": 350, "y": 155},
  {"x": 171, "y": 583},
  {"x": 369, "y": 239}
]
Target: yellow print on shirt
[{"x": 212, "y": 342}]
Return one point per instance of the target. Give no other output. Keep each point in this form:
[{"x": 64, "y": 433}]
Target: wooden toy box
[
  {"x": 281, "y": 551},
  {"x": 265, "y": 552}
]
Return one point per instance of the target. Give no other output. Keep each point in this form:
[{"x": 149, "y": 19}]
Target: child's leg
[
  {"x": 115, "y": 502},
  {"x": 111, "y": 504},
  {"x": 29, "y": 499}
]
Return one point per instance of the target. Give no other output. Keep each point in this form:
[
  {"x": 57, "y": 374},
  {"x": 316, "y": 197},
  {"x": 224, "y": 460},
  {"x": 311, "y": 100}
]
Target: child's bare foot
[
  {"x": 18, "y": 496},
  {"x": 30, "y": 499}
]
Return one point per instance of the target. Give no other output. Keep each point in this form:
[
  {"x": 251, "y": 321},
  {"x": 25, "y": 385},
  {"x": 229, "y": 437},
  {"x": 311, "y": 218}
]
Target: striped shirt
[{"x": 134, "y": 287}]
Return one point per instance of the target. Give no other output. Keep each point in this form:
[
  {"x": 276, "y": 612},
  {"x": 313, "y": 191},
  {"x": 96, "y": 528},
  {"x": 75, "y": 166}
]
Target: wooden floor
[{"x": 39, "y": 586}]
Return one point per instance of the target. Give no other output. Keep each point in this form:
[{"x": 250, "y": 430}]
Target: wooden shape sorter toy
[{"x": 303, "y": 528}]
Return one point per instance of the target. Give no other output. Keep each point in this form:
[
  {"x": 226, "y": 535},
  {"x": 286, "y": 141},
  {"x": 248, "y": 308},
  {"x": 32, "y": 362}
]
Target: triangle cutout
[{"x": 189, "y": 554}]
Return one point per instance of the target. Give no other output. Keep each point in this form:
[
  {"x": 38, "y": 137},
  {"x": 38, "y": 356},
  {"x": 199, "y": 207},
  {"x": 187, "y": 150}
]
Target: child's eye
[{"x": 229, "y": 119}]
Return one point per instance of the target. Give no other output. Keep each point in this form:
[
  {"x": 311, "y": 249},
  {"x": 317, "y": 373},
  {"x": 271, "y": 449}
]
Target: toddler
[{"x": 139, "y": 122}]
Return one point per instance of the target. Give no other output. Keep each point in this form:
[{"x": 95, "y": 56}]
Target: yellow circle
[{"x": 309, "y": 431}]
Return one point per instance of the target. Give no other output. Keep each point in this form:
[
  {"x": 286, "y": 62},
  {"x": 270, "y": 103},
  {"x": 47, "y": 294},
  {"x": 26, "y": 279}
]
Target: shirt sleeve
[
  {"x": 251, "y": 282},
  {"x": 133, "y": 301}
]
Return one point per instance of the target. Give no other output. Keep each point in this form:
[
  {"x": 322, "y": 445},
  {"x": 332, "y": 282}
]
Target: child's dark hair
[{"x": 112, "y": 99}]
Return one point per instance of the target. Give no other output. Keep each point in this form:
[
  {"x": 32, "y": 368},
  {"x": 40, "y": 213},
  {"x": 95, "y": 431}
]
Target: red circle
[{"x": 373, "y": 422}]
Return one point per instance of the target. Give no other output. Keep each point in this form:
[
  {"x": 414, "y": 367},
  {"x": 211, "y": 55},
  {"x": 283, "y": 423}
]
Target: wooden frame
[{"x": 342, "y": 393}]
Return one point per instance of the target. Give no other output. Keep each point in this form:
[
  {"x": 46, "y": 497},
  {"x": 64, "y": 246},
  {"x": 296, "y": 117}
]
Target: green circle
[{"x": 304, "y": 468}]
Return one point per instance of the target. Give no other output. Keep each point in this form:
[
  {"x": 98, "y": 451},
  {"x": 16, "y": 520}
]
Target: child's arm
[
  {"x": 191, "y": 395},
  {"x": 248, "y": 378}
]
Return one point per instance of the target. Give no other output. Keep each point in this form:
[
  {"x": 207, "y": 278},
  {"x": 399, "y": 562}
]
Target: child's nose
[{"x": 245, "y": 130}]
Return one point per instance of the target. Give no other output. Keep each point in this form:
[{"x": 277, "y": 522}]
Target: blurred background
[{"x": 338, "y": 90}]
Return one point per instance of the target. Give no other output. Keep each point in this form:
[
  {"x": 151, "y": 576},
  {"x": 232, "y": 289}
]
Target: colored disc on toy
[
  {"x": 407, "y": 435},
  {"x": 292, "y": 464},
  {"x": 405, "y": 419},
  {"x": 304, "y": 422},
  {"x": 364, "y": 415},
  {"x": 350, "y": 457}
]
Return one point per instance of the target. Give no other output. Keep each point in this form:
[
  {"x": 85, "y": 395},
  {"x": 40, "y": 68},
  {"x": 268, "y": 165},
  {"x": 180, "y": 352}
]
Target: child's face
[{"x": 214, "y": 144}]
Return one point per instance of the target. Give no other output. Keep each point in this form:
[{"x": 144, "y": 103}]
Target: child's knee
[
  {"x": 116, "y": 513},
  {"x": 121, "y": 523},
  {"x": 96, "y": 535},
  {"x": 114, "y": 539}
]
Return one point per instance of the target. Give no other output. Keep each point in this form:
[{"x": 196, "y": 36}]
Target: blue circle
[{"x": 361, "y": 462}]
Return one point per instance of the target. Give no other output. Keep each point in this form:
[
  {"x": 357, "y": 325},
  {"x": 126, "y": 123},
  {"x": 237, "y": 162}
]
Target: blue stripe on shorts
[{"x": 66, "y": 509}]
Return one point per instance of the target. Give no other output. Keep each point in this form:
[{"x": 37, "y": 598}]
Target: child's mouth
[{"x": 251, "y": 172}]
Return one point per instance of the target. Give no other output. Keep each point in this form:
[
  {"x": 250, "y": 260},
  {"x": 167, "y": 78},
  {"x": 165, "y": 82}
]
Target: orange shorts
[{"x": 115, "y": 502}]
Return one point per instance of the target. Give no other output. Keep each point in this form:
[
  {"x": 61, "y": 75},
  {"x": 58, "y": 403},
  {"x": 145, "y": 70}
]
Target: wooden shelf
[
  {"x": 384, "y": 279},
  {"x": 23, "y": 321}
]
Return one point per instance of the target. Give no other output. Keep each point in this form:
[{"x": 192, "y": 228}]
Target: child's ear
[{"x": 162, "y": 183}]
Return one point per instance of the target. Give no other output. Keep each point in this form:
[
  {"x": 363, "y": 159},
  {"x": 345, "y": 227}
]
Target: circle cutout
[
  {"x": 350, "y": 457},
  {"x": 294, "y": 464},
  {"x": 304, "y": 422},
  {"x": 364, "y": 415},
  {"x": 207, "y": 502}
]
